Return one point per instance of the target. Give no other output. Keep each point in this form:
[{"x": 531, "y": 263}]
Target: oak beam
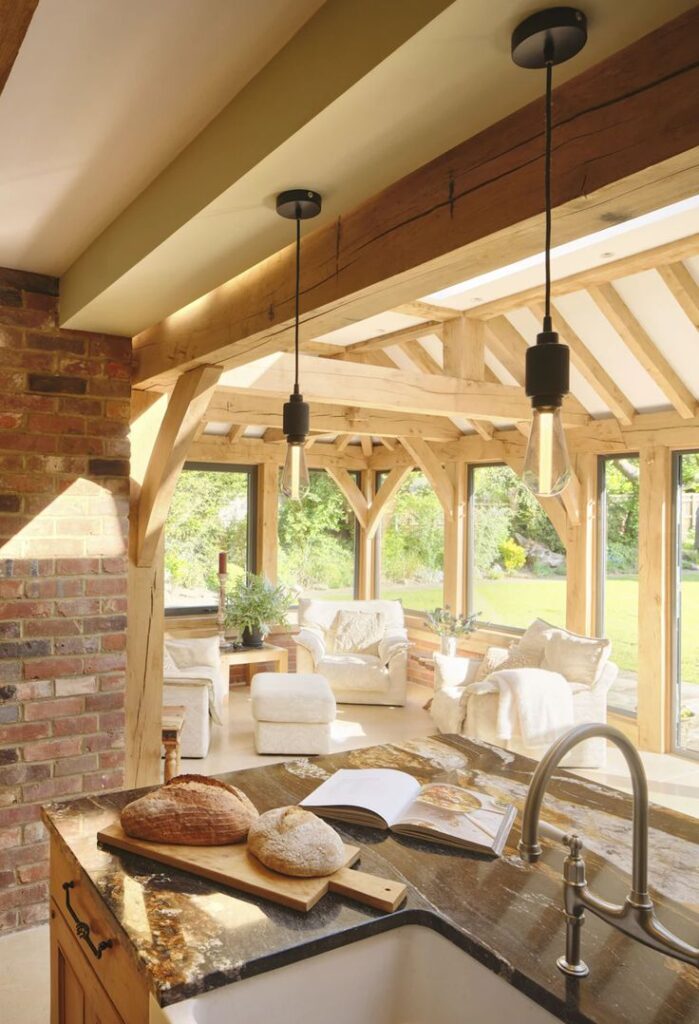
[
  {"x": 454, "y": 217},
  {"x": 185, "y": 408},
  {"x": 644, "y": 349},
  {"x": 355, "y": 498},
  {"x": 435, "y": 472},
  {"x": 684, "y": 289},
  {"x": 383, "y": 341},
  {"x": 266, "y": 535},
  {"x": 366, "y": 568},
  {"x": 581, "y": 551},
  {"x": 456, "y": 542},
  {"x": 382, "y": 499}
]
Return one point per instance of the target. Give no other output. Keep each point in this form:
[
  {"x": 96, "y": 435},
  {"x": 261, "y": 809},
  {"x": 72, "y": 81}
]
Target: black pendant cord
[
  {"x": 296, "y": 314},
  {"x": 547, "y": 191}
]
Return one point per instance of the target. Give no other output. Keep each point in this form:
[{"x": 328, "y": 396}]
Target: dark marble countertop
[{"x": 189, "y": 935}]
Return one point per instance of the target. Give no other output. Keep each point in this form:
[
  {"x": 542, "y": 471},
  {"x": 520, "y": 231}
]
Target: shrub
[{"x": 512, "y": 555}]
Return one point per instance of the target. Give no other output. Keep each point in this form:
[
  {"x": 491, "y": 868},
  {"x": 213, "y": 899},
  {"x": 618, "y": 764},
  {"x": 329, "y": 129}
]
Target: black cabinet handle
[{"x": 82, "y": 928}]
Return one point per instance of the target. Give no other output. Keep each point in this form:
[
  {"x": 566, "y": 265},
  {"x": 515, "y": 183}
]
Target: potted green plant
[
  {"x": 253, "y": 606},
  {"x": 686, "y": 723},
  {"x": 450, "y": 627}
]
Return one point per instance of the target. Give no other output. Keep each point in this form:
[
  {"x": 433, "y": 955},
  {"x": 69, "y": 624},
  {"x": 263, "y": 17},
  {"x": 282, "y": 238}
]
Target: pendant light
[
  {"x": 547, "y": 38},
  {"x": 296, "y": 204}
]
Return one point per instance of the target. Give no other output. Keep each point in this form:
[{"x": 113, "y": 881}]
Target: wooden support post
[
  {"x": 433, "y": 469},
  {"x": 353, "y": 494},
  {"x": 654, "y": 604},
  {"x": 455, "y": 542},
  {"x": 366, "y": 567},
  {"x": 144, "y": 640},
  {"x": 266, "y": 543},
  {"x": 581, "y": 551},
  {"x": 382, "y": 499}
]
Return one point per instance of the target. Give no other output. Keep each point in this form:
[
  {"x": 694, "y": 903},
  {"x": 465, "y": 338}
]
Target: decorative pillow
[
  {"x": 533, "y": 642},
  {"x": 519, "y": 658},
  {"x": 493, "y": 658},
  {"x": 580, "y": 659},
  {"x": 196, "y": 651},
  {"x": 357, "y": 632},
  {"x": 169, "y": 665}
]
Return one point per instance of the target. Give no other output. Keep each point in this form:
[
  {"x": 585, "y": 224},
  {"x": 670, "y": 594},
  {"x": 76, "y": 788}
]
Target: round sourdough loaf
[
  {"x": 193, "y": 810},
  {"x": 296, "y": 842}
]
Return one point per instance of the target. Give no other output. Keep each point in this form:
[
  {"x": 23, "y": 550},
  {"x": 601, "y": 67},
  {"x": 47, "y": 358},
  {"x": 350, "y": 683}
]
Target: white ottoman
[{"x": 292, "y": 713}]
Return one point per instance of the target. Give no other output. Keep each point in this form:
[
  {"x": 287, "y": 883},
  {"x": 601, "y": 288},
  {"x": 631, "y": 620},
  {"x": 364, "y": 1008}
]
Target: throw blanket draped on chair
[{"x": 534, "y": 705}]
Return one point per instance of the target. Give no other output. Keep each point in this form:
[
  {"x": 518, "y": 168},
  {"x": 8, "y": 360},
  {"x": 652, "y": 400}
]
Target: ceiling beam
[
  {"x": 649, "y": 259},
  {"x": 373, "y": 387},
  {"x": 353, "y": 495},
  {"x": 15, "y": 16},
  {"x": 434, "y": 470},
  {"x": 420, "y": 357},
  {"x": 643, "y": 348},
  {"x": 683, "y": 287},
  {"x": 588, "y": 367},
  {"x": 382, "y": 341},
  {"x": 383, "y": 496},
  {"x": 232, "y": 406},
  {"x": 471, "y": 210},
  {"x": 254, "y": 451}
]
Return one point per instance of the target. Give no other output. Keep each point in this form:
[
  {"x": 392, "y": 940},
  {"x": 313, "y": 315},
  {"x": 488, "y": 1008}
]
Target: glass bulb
[
  {"x": 295, "y": 478},
  {"x": 546, "y": 464}
]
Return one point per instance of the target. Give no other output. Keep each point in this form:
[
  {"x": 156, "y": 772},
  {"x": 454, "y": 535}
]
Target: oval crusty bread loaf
[
  {"x": 294, "y": 841},
  {"x": 193, "y": 810}
]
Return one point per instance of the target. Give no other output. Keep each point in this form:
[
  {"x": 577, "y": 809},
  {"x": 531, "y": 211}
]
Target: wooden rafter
[
  {"x": 466, "y": 203},
  {"x": 420, "y": 357},
  {"x": 386, "y": 492},
  {"x": 426, "y": 310},
  {"x": 16, "y": 17},
  {"x": 383, "y": 341},
  {"x": 236, "y": 432},
  {"x": 589, "y": 368},
  {"x": 683, "y": 287},
  {"x": 366, "y": 445},
  {"x": 433, "y": 469},
  {"x": 352, "y": 493},
  {"x": 643, "y": 348},
  {"x": 187, "y": 403},
  {"x": 464, "y": 357},
  {"x": 342, "y": 442}
]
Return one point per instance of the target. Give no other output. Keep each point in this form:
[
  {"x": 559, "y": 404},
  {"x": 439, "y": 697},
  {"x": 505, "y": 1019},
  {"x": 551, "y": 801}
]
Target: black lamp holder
[
  {"x": 543, "y": 40},
  {"x": 297, "y": 204}
]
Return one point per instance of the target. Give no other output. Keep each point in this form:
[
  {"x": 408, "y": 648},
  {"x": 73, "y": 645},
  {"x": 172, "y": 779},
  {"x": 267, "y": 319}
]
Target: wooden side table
[
  {"x": 171, "y": 724},
  {"x": 253, "y": 658}
]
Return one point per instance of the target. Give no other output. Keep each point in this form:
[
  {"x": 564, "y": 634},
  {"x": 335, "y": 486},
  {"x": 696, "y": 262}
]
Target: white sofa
[
  {"x": 195, "y": 679},
  {"x": 455, "y": 710},
  {"x": 355, "y": 677}
]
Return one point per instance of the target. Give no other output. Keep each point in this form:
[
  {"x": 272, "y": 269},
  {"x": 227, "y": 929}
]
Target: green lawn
[{"x": 516, "y": 601}]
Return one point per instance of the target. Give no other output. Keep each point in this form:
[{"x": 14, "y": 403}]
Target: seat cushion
[
  {"x": 292, "y": 697},
  {"x": 359, "y": 672}
]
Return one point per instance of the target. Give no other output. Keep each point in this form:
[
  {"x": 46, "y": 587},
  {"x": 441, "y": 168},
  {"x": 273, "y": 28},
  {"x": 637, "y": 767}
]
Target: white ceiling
[{"x": 105, "y": 93}]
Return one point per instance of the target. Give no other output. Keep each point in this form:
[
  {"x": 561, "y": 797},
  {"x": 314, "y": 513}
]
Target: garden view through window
[
  {"x": 317, "y": 542},
  {"x": 211, "y": 511},
  {"x": 617, "y": 608},
  {"x": 687, "y": 596},
  {"x": 518, "y": 560},
  {"x": 411, "y": 546}
]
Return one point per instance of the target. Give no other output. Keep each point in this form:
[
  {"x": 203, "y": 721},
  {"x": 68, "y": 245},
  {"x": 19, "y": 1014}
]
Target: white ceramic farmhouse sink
[{"x": 410, "y": 975}]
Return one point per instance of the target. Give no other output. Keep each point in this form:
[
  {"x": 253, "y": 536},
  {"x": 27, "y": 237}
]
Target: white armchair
[
  {"x": 373, "y": 674},
  {"x": 195, "y": 679},
  {"x": 456, "y": 709}
]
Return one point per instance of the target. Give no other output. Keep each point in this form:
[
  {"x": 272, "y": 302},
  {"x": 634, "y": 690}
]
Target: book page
[
  {"x": 466, "y": 816},
  {"x": 383, "y": 791}
]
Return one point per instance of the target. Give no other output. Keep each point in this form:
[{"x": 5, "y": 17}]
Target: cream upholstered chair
[
  {"x": 375, "y": 672},
  {"x": 195, "y": 679},
  {"x": 455, "y": 709}
]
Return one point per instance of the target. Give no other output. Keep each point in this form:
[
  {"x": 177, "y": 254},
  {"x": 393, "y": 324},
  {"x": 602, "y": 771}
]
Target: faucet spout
[{"x": 636, "y": 916}]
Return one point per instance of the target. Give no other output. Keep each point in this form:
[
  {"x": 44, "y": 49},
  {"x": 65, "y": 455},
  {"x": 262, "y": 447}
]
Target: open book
[{"x": 388, "y": 799}]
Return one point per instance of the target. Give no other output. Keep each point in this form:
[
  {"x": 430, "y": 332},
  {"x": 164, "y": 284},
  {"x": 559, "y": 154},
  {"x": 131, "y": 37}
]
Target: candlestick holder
[{"x": 221, "y": 617}]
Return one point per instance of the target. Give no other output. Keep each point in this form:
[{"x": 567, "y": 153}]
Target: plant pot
[
  {"x": 448, "y": 644},
  {"x": 252, "y": 637}
]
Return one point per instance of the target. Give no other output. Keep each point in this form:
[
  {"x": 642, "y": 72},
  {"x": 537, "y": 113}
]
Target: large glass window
[
  {"x": 517, "y": 560},
  {"x": 687, "y": 603},
  {"x": 617, "y": 604},
  {"x": 411, "y": 546},
  {"x": 212, "y": 510},
  {"x": 317, "y": 542}
]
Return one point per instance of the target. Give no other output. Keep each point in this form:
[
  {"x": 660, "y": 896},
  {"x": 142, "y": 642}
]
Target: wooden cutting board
[{"x": 234, "y": 866}]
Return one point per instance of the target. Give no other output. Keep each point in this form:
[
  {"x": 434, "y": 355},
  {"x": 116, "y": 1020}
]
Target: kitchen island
[{"x": 175, "y": 936}]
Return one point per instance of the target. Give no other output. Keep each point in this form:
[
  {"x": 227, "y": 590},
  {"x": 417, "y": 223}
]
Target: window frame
[
  {"x": 601, "y": 573},
  {"x": 676, "y": 608},
  {"x": 251, "y": 534}
]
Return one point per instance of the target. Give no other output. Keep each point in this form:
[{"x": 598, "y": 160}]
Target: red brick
[
  {"x": 21, "y": 732},
  {"x": 99, "y": 663},
  {"x": 31, "y": 853},
  {"x": 104, "y": 701},
  {"x": 23, "y": 896},
  {"x": 10, "y": 837},
  {"x": 37, "y": 913},
  {"x": 78, "y": 607},
  {"x": 41, "y": 668},
  {"x": 115, "y": 565},
  {"x": 35, "y": 833},
  {"x": 52, "y": 789},
  {"x": 28, "y": 442},
  {"x": 114, "y": 642},
  {"x": 57, "y": 708},
  {"x": 34, "y": 589},
  {"x": 51, "y": 627},
  {"x": 75, "y": 726},
  {"x": 33, "y": 872},
  {"x": 53, "y": 423},
  {"x": 20, "y": 773},
  {"x": 18, "y": 816},
  {"x": 46, "y": 750},
  {"x": 105, "y": 585},
  {"x": 35, "y": 690},
  {"x": 100, "y": 741},
  {"x": 56, "y": 343},
  {"x": 78, "y": 765},
  {"x": 13, "y": 588},
  {"x": 76, "y": 645},
  {"x": 78, "y": 685},
  {"x": 103, "y": 780},
  {"x": 77, "y": 566},
  {"x": 112, "y": 759}
]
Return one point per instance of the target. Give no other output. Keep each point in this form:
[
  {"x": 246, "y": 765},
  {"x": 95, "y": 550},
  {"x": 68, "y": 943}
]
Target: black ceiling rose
[
  {"x": 299, "y": 203},
  {"x": 549, "y": 37}
]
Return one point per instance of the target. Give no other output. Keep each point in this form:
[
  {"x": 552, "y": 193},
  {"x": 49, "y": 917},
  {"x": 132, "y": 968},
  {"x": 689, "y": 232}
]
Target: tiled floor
[{"x": 24, "y": 993}]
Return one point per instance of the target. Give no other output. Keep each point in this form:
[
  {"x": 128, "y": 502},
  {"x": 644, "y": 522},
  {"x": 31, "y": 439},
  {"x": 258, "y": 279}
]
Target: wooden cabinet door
[{"x": 77, "y": 997}]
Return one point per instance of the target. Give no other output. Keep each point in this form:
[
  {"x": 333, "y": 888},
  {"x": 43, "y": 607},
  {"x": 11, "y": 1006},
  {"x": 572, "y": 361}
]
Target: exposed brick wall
[{"x": 64, "y": 478}]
